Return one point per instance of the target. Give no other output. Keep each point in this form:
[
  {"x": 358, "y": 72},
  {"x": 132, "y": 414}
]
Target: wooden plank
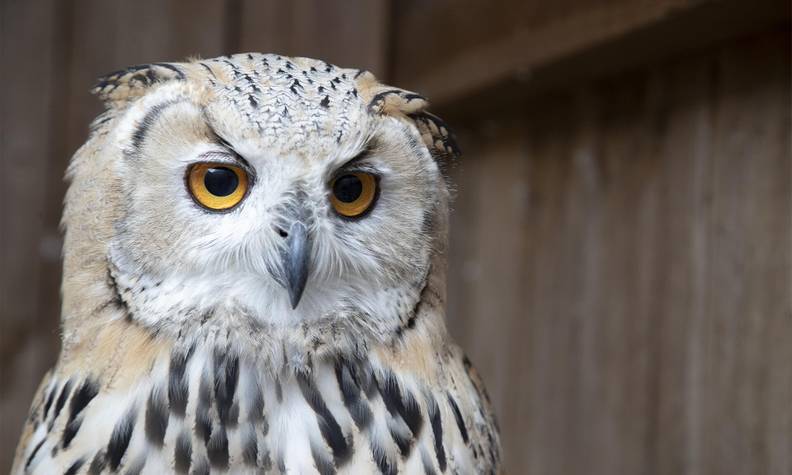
[
  {"x": 498, "y": 183},
  {"x": 443, "y": 50},
  {"x": 348, "y": 33},
  {"x": 681, "y": 123},
  {"x": 451, "y": 51},
  {"x": 647, "y": 330},
  {"x": 593, "y": 220},
  {"x": 26, "y": 133},
  {"x": 112, "y": 35},
  {"x": 26, "y": 348},
  {"x": 746, "y": 364}
]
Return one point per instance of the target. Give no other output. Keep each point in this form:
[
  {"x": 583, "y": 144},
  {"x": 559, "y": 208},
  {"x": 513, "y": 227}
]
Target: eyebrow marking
[
  {"x": 140, "y": 133},
  {"x": 230, "y": 152},
  {"x": 219, "y": 140}
]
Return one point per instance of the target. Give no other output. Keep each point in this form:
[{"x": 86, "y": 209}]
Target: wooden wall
[
  {"x": 621, "y": 259},
  {"x": 621, "y": 268}
]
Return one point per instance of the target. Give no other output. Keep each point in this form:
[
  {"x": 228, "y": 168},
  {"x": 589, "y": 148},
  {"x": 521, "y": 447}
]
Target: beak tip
[{"x": 295, "y": 257}]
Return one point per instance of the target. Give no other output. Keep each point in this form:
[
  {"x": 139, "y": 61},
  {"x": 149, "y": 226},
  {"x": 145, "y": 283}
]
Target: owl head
[{"x": 255, "y": 188}]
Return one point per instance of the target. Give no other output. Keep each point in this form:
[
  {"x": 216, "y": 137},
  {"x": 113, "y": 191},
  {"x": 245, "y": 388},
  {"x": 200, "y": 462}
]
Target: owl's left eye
[
  {"x": 217, "y": 186},
  {"x": 353, "y": 194}
]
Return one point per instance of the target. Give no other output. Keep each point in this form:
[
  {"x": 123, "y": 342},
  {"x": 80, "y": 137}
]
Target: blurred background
[{"x": 621, "y": 248}]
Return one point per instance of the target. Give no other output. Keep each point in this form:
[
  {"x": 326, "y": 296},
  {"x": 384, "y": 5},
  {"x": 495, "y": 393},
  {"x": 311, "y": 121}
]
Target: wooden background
[{"x": 621, "y": 257}]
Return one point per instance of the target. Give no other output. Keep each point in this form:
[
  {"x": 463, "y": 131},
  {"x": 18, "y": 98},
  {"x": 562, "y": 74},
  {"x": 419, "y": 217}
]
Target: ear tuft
[
  {"x": 385, "y": 100},
  {"x": 437, "y": 136},
  {"x": 392, "y": 100},
  {"x": 120, "y": 87}
]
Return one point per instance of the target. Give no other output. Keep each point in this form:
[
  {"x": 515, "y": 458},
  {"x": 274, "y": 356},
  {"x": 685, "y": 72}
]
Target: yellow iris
[
  {"x": 217, "y": 186},
  {"x": 352, "y": 194}
]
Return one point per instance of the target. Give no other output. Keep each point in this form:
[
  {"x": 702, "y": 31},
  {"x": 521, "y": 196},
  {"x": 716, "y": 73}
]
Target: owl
[{"x": 254, "y": 282}]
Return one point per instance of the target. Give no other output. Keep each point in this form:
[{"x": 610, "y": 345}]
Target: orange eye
[
  {"x": 217, "y": 186},
  {"x": 353, "y": 193}
]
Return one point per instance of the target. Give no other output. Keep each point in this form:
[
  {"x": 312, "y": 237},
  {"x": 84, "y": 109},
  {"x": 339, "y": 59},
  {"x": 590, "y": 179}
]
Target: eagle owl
[{"x": 254, "y": 282}]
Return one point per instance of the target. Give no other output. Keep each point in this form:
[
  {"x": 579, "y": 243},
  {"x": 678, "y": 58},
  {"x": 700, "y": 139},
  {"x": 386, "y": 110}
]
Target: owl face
[{"x": 266, "y": 186}]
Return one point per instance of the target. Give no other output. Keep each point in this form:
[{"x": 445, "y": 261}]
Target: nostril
[{"x": 281, "y": 232}]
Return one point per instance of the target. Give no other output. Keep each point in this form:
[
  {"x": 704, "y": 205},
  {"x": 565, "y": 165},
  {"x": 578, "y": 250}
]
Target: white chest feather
[{"x": 214, "y": 412}]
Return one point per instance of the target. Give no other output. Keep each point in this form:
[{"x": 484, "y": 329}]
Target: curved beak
[{"x": 294, "y": 261}]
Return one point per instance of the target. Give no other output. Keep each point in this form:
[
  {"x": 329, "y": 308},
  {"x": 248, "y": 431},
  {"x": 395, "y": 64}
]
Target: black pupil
[
  {"x": 347, "y": 188},
  {"x": 221, "y": 181}
]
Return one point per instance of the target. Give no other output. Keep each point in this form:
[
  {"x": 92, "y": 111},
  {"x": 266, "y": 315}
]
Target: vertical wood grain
[
  {"x": 748, "y": 383},
  {"x": 632, "y": 311},
  {"x": 28, "y": 343},
  {"x": 107, "y": 36},
  {"x": 348, "y": 33}
]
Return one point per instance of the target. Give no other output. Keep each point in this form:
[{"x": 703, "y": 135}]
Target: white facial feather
[{"x": 180, "y": 262}]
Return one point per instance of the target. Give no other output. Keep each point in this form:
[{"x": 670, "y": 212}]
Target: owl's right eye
[{"x": 217, "y": 186}]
